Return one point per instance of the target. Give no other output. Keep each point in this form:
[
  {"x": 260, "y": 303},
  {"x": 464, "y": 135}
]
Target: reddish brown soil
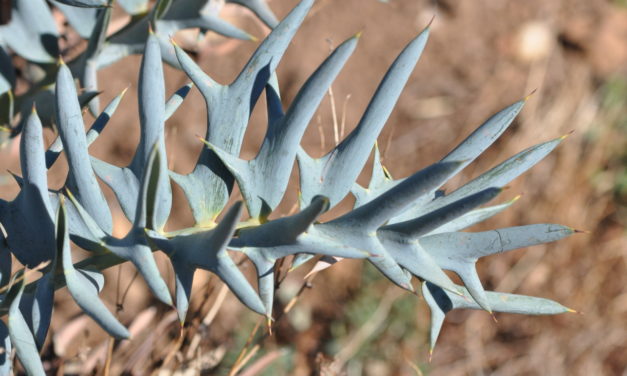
[{"x": 481, "y": 56}]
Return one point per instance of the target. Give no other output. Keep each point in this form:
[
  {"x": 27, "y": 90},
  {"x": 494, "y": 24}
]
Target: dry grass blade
[
  {"x": 140, "y": 357},
  {"x": 239, "y": 362},
  {"x": 211, "y": 315},
  {"x": 26, "y": 276},
  {"x": 374, "y": 323},
  {"x": 262, "y": 363},
  {"x": 249, "y": 355}
]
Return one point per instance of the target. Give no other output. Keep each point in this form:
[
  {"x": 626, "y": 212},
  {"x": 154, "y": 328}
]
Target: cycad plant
[
  {"x": 30, "y": 33},
  {"x": 406, "y": 227}
]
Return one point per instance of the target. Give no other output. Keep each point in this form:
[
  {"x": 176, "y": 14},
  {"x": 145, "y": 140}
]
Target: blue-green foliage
[
  {"x": 32, "y": 34},
  {"x": 405, "y": 227}
]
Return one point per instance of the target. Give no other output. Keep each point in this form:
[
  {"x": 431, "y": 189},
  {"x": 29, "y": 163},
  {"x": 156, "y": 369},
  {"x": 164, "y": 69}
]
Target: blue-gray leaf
[
  {"x": 82, "y": 288},
  {"x": 32, "y": 32},
  {"x": 498, "y": 176},
  {"x": 333, "y": 175},
  {"x": 441, "y": 302},
  {"x": 85, "y": 3},
  {"x": 22, "y": 338},
  {"x": 261, "y": 9},
  {"x": 459, "y": 251},
  {"x": 263, "y": 180},
  {"x": 206, "y": 250},
  {"x": 81, "y": 179},
  {"x": 226, "y": 126},
  {"x": 55, "y": 149}
]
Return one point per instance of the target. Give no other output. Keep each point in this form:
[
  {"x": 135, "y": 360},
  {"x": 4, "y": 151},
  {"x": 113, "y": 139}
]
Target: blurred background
[{"x": 481, "y": 57}]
